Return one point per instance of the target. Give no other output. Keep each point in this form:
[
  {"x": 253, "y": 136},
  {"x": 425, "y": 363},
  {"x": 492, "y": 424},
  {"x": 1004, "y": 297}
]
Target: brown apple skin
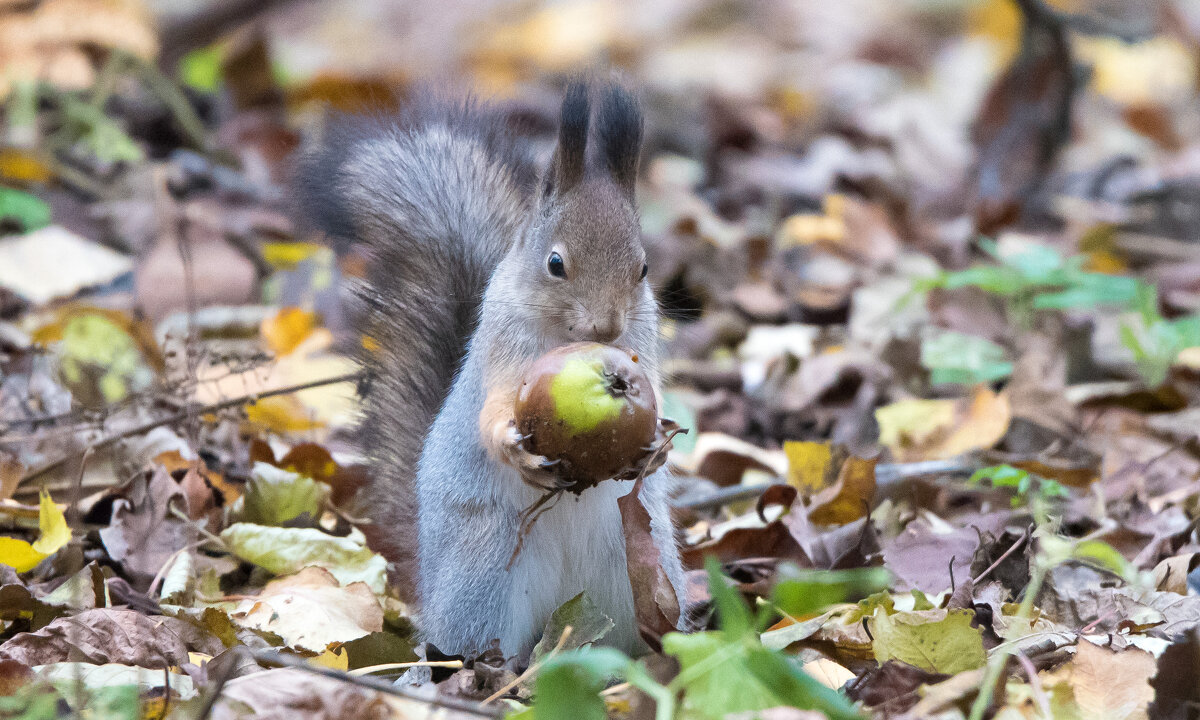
[{"x": 589, "y": 406}]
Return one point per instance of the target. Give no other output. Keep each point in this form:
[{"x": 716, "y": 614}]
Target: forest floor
[{"x": 930, "y": 278}]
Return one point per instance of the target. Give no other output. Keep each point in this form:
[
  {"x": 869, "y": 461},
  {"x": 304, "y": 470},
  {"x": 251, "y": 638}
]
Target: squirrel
[{"x": 476, "y": 267}]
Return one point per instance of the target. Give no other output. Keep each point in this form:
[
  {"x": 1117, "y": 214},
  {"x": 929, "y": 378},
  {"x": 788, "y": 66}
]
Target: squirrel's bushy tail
[{"x": 436, "y": 198}]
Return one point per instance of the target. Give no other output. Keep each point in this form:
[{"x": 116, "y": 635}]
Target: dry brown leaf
[
  {"x": 112, "y": 636},
  {"x": 144, "y": 532},
  {"x": 1108, "y": 684},
  {"x": 1171, "y": 575},
  {"x": 656, "y": 607},
  {"x": 310, "y": 610},
  {"x": 286, "y": 694},
  {"x": 48, "y": 40},
  {"x": 917, "y": 430}
]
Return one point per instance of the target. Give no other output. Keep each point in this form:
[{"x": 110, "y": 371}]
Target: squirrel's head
[{"x": 583, "y": 258}]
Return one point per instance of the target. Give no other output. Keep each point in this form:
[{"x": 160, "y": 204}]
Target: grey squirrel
[{"x": 475, "y": 269}]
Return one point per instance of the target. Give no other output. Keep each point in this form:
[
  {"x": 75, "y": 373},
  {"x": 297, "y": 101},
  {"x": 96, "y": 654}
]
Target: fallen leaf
[
  {"x": 1171, "y": 575},
  {"x": 54, "y": 262},
  {"x": 587, "y": 622},
  {"x": 656, "y": 606},
  {"x": 1108, "y": 684},
  {"x": 926, "y": 553},
  {"x": 285, "y": 694},
  {"x": 892, "y": 685},
  {"x": 116, "y": 674},
  {"x": 284, "y": 551},
  {"x": 286, "y": 329},
  {"x": 840, "y": 486},
  {"x": 940, "y": 641},
  {"x": 144, "y": 532},
  {"x": 310, "y": 610},
  {"x": 53, "y": 535},
  {"x": 274, "y": 496},
  {"x": 917, "y": 430},
  {"x": 112, "y": 636}
]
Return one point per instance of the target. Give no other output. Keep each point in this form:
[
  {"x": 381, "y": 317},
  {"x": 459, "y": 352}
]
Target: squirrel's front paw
[{"x": 536, "y": 470}]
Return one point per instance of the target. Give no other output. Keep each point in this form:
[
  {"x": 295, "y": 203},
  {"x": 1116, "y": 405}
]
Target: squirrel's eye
[
  {"x": 556, "y": 266},
  {"x": 645, "y": 269}
]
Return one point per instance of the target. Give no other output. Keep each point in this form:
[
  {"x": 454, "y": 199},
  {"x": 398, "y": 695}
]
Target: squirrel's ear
[
  {"x": 619, "y": 132},
  {"x": 570, "y": 156}
]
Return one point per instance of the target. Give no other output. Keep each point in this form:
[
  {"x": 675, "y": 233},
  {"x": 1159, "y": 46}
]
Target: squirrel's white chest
[{"x": 576, "y": 546}]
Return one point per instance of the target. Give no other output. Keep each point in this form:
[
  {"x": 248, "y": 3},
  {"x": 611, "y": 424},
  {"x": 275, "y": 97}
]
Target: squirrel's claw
[{"x": 536, "y": 470}]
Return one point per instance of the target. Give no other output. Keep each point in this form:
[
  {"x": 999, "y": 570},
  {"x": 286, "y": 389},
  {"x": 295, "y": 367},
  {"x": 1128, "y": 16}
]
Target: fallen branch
[
  {"x": 271, "y": 657},
  {"x": 886, "y": 475},
  {"x": 191, "y": 410}
]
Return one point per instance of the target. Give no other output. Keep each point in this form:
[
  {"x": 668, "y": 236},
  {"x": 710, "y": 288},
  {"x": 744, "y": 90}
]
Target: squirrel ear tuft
[
  {"x": 619, "y": 131},
  {"x": 570, "y": 156}
]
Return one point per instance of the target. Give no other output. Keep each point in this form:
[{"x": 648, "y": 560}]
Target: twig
[
  {"x": 886, "y": 474},
  {"x": 1035, "y": 685},
  {"x": 528, "y": 517},
  {"x": 270, "y": 657},
  {"x": 182, "y": 415},
  {"x": 1020, "y": 541},
  {"x": 532, "y": 669},
  {"x": 451, "y": 664}
]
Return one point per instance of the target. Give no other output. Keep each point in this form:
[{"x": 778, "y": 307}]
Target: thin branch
[
  {"x": 189, "y": 410},
  {"x": 532, "y": 669},
  {"x": 1013, "y": 548},
  {"x": 886, "y": 475},
  {"x": 270, "y": 657}
]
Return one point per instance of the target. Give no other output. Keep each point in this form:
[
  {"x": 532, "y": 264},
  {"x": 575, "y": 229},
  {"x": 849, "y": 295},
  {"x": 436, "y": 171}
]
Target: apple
[{"x": 591, "y": 408}]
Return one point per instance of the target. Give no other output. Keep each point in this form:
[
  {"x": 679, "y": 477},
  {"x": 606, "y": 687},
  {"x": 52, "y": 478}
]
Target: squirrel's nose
[{"x": 606, "y": 331}]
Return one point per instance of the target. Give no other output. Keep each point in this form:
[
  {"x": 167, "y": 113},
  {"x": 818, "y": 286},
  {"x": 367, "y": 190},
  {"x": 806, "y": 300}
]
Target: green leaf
[
  {"x": 34, "y": 701},
  {"x": 1104, "y": 556},
  {"x": 588, "y": 624},
  {"x": 274, "y": 496},
  {"x": 796, "y": 687},
  {"x": 28, "y": 211},
  {"x": 288, "y": 550},
  {"x": 715, "y": 677},
  {"x": 804, "y": 592},
  {"x": 1087, "y": 290},
  {"x": 963, "y": 359},
  {"x": 940, "y": 641},
  {"x": 201, "y": 69},
  {"x": 732, "y": 612},
  {"x": 781, "y": 638},
  {"x": 569, "y": 685}
]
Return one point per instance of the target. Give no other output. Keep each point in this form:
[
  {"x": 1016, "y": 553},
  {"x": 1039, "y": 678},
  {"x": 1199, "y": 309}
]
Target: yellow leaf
[
  {"x": 19, "y": 555},
  {"x": 22, "y": 556},
  {"x": 23, "y": 166},
  {"x": 912, "y": 422},
  {"x": 286, "y": 329},
  {"x": 986, "y": 421},
  {"x": 808, "y": 463},
  {"x": 849, "y": 498},
  {"x": 337, "y": 659},
  {"x": 53, "y": 526},
  {"x": 1152, "y": 72},
  {"x": 281, "y": 414},
  {"x": 840, "y": 486},
  {"x": 287, "y": 255},
  {"x": 938, "y": 429}
]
